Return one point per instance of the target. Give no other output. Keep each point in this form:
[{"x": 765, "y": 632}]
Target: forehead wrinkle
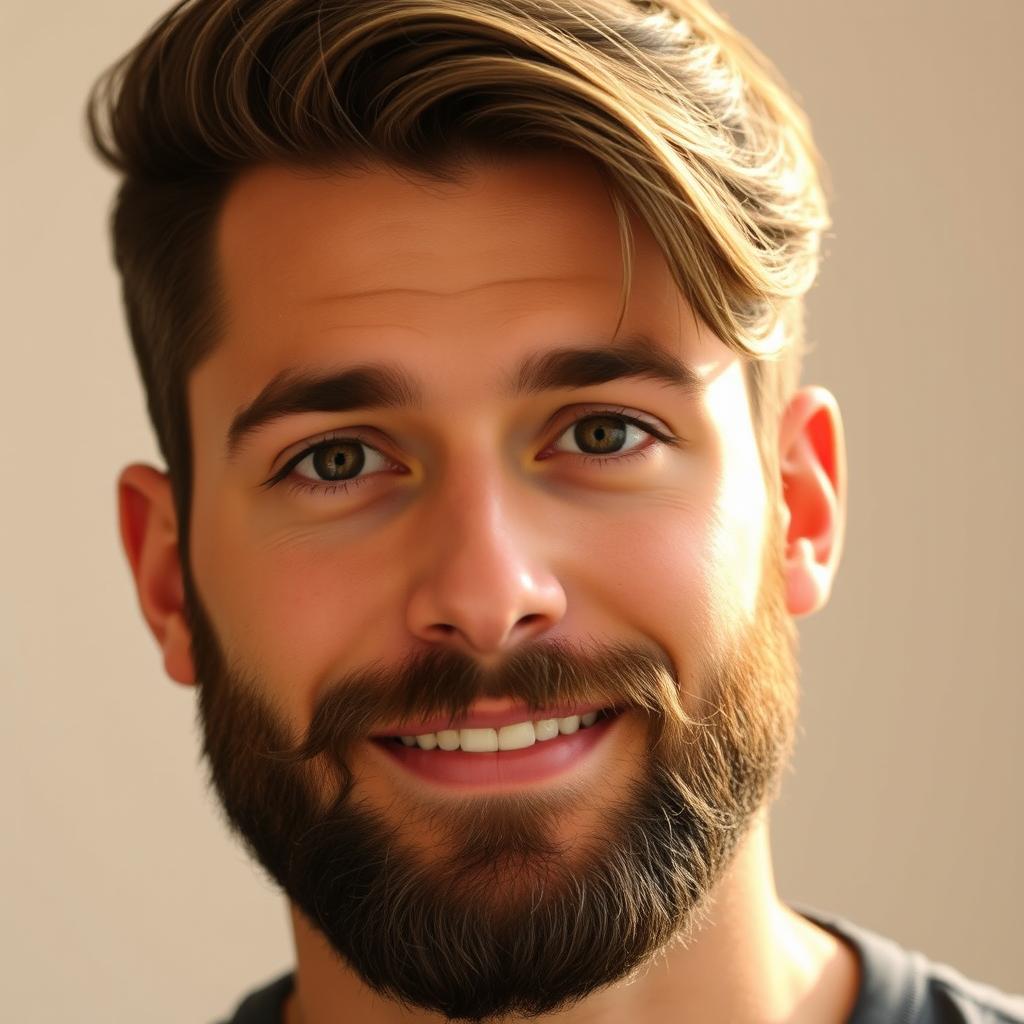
[{"x": 320, "y": 300}]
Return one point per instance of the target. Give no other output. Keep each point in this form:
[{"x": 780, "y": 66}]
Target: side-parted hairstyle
[{"x": 690, "y": 126}]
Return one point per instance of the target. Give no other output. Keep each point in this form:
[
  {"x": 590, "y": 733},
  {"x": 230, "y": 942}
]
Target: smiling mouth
[
  {"x": 531, "y": 750},
  {"x": 514, "y": 736}
]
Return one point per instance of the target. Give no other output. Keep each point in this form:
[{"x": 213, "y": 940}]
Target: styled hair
[{"x": 691, "y": 127}]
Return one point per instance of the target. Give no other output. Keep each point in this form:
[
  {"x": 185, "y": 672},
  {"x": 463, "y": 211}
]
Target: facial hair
[{"x": 508, "y": 920}]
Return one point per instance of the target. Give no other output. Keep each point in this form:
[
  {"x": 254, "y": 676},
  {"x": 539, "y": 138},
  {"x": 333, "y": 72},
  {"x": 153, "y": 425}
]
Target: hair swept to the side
[{"x": 690, "y": 125}]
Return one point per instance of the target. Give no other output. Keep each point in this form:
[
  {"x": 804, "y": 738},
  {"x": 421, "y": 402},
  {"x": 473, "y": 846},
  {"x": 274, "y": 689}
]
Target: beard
[{"x": 508, "y": 918}]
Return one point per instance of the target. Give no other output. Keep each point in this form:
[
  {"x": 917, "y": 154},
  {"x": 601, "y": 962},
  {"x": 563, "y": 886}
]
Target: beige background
[{"x": 124, "y": 899}]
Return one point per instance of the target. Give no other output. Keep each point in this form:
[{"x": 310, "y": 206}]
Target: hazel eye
[
  {"x": 606, "y": 435},
  {"x": 338, "y": 460}
]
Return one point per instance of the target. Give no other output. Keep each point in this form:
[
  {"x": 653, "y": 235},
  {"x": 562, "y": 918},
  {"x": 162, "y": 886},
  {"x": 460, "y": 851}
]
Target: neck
[{"x": 752, "y": 960}]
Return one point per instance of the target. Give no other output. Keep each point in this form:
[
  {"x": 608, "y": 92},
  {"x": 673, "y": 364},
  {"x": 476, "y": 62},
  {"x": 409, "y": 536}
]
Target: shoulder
[
  {"x": 264, "y": 1005},
  {"x": 905, "y": 986},
  {"x": 952, "y": 993}
]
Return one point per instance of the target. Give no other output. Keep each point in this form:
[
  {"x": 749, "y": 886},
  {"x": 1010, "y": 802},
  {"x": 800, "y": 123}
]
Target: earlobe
[
  {"x": 812, "y": 464},
  {"x": 149, "y": 534}
]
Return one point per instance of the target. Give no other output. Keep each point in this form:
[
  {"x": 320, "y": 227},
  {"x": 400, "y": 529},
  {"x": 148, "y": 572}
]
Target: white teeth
[
  {"x": 546, "y": 728},
  {"x": 517, "y": 736},
  {"x": 448, "y": 739},
  {"x": 481, "y": 741}
]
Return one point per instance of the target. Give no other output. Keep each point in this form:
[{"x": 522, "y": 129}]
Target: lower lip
[{"x": 546, "y": 759}]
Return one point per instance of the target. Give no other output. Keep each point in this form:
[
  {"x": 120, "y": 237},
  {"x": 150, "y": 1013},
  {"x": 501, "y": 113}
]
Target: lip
[
  {"x": 487, "y": 718},
  {"x": 461, "y": 769}
]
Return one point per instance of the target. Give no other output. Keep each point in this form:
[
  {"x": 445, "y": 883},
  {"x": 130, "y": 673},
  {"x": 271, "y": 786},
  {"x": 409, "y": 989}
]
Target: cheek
[
  {"x": 290, "y": 607},
  {"x": 658, "y": 579},
  {"x": 737, "y": 503},
  {"x": 735, "y": 539},
  {"x": 686, "y": 572}
]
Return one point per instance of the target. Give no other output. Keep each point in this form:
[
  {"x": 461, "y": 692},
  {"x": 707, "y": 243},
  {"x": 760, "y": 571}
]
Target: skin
[{"x": 457, "y": 283}]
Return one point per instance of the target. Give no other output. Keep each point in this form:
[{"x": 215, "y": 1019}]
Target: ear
[
  {"x": 149, "y": 533},
  {"x": 812, "y": 464}
]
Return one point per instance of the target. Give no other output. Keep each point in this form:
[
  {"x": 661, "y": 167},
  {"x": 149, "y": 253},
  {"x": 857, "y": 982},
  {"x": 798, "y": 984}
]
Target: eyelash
[{"x": 328, "y": 487}]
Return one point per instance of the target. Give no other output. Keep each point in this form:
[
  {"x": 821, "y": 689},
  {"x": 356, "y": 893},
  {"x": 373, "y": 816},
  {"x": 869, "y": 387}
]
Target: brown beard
[{"x": 508, "y": 921}]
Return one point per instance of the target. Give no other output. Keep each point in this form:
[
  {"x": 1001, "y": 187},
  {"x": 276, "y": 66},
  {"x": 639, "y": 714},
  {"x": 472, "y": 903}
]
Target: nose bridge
[{"x": 483, "y": 582}]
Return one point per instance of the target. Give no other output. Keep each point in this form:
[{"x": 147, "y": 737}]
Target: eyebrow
[{"x": 386, "y": 386}]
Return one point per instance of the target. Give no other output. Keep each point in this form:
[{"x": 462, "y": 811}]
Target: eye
[
  {"x": 338, "y": 460},
  {"x": 598, "y": 436},
  {"x": 333, "y": 465}
]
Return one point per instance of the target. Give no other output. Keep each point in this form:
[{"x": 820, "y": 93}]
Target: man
[{"x": 471, "y": 333}]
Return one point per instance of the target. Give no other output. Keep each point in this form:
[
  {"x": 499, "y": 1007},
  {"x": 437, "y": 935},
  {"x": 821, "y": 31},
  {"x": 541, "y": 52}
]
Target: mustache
[{"x": 444, "y": 682}]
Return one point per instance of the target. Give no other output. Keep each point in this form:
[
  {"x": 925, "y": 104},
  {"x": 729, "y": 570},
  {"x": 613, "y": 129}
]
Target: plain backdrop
[{"x": 125, "y": 899}]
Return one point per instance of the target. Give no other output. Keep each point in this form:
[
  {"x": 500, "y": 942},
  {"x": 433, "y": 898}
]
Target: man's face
[{"x": 357, "y": 573}]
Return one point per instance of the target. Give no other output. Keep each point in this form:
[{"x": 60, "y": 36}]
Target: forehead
[
  {"x": 300, "y": 234},
  {"x": 521, "y": 253}
]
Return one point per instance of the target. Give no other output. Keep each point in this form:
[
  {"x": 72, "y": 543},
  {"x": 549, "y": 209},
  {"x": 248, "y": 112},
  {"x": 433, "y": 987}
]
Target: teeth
[
  {"x": 546, "y": 728},
  {"x": 478, "y": 740},
  {"x": 516, "y": 737},
  {"x": 509, "y": 737},
  {"x": 448, "y": 739}
]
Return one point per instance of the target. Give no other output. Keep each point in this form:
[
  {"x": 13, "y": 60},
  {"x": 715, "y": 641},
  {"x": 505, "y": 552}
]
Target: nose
[{"x": 482, "y": 584}]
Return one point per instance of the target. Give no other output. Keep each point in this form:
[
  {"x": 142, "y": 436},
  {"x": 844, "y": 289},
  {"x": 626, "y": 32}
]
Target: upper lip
[{"x": 493, "y": 719}]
